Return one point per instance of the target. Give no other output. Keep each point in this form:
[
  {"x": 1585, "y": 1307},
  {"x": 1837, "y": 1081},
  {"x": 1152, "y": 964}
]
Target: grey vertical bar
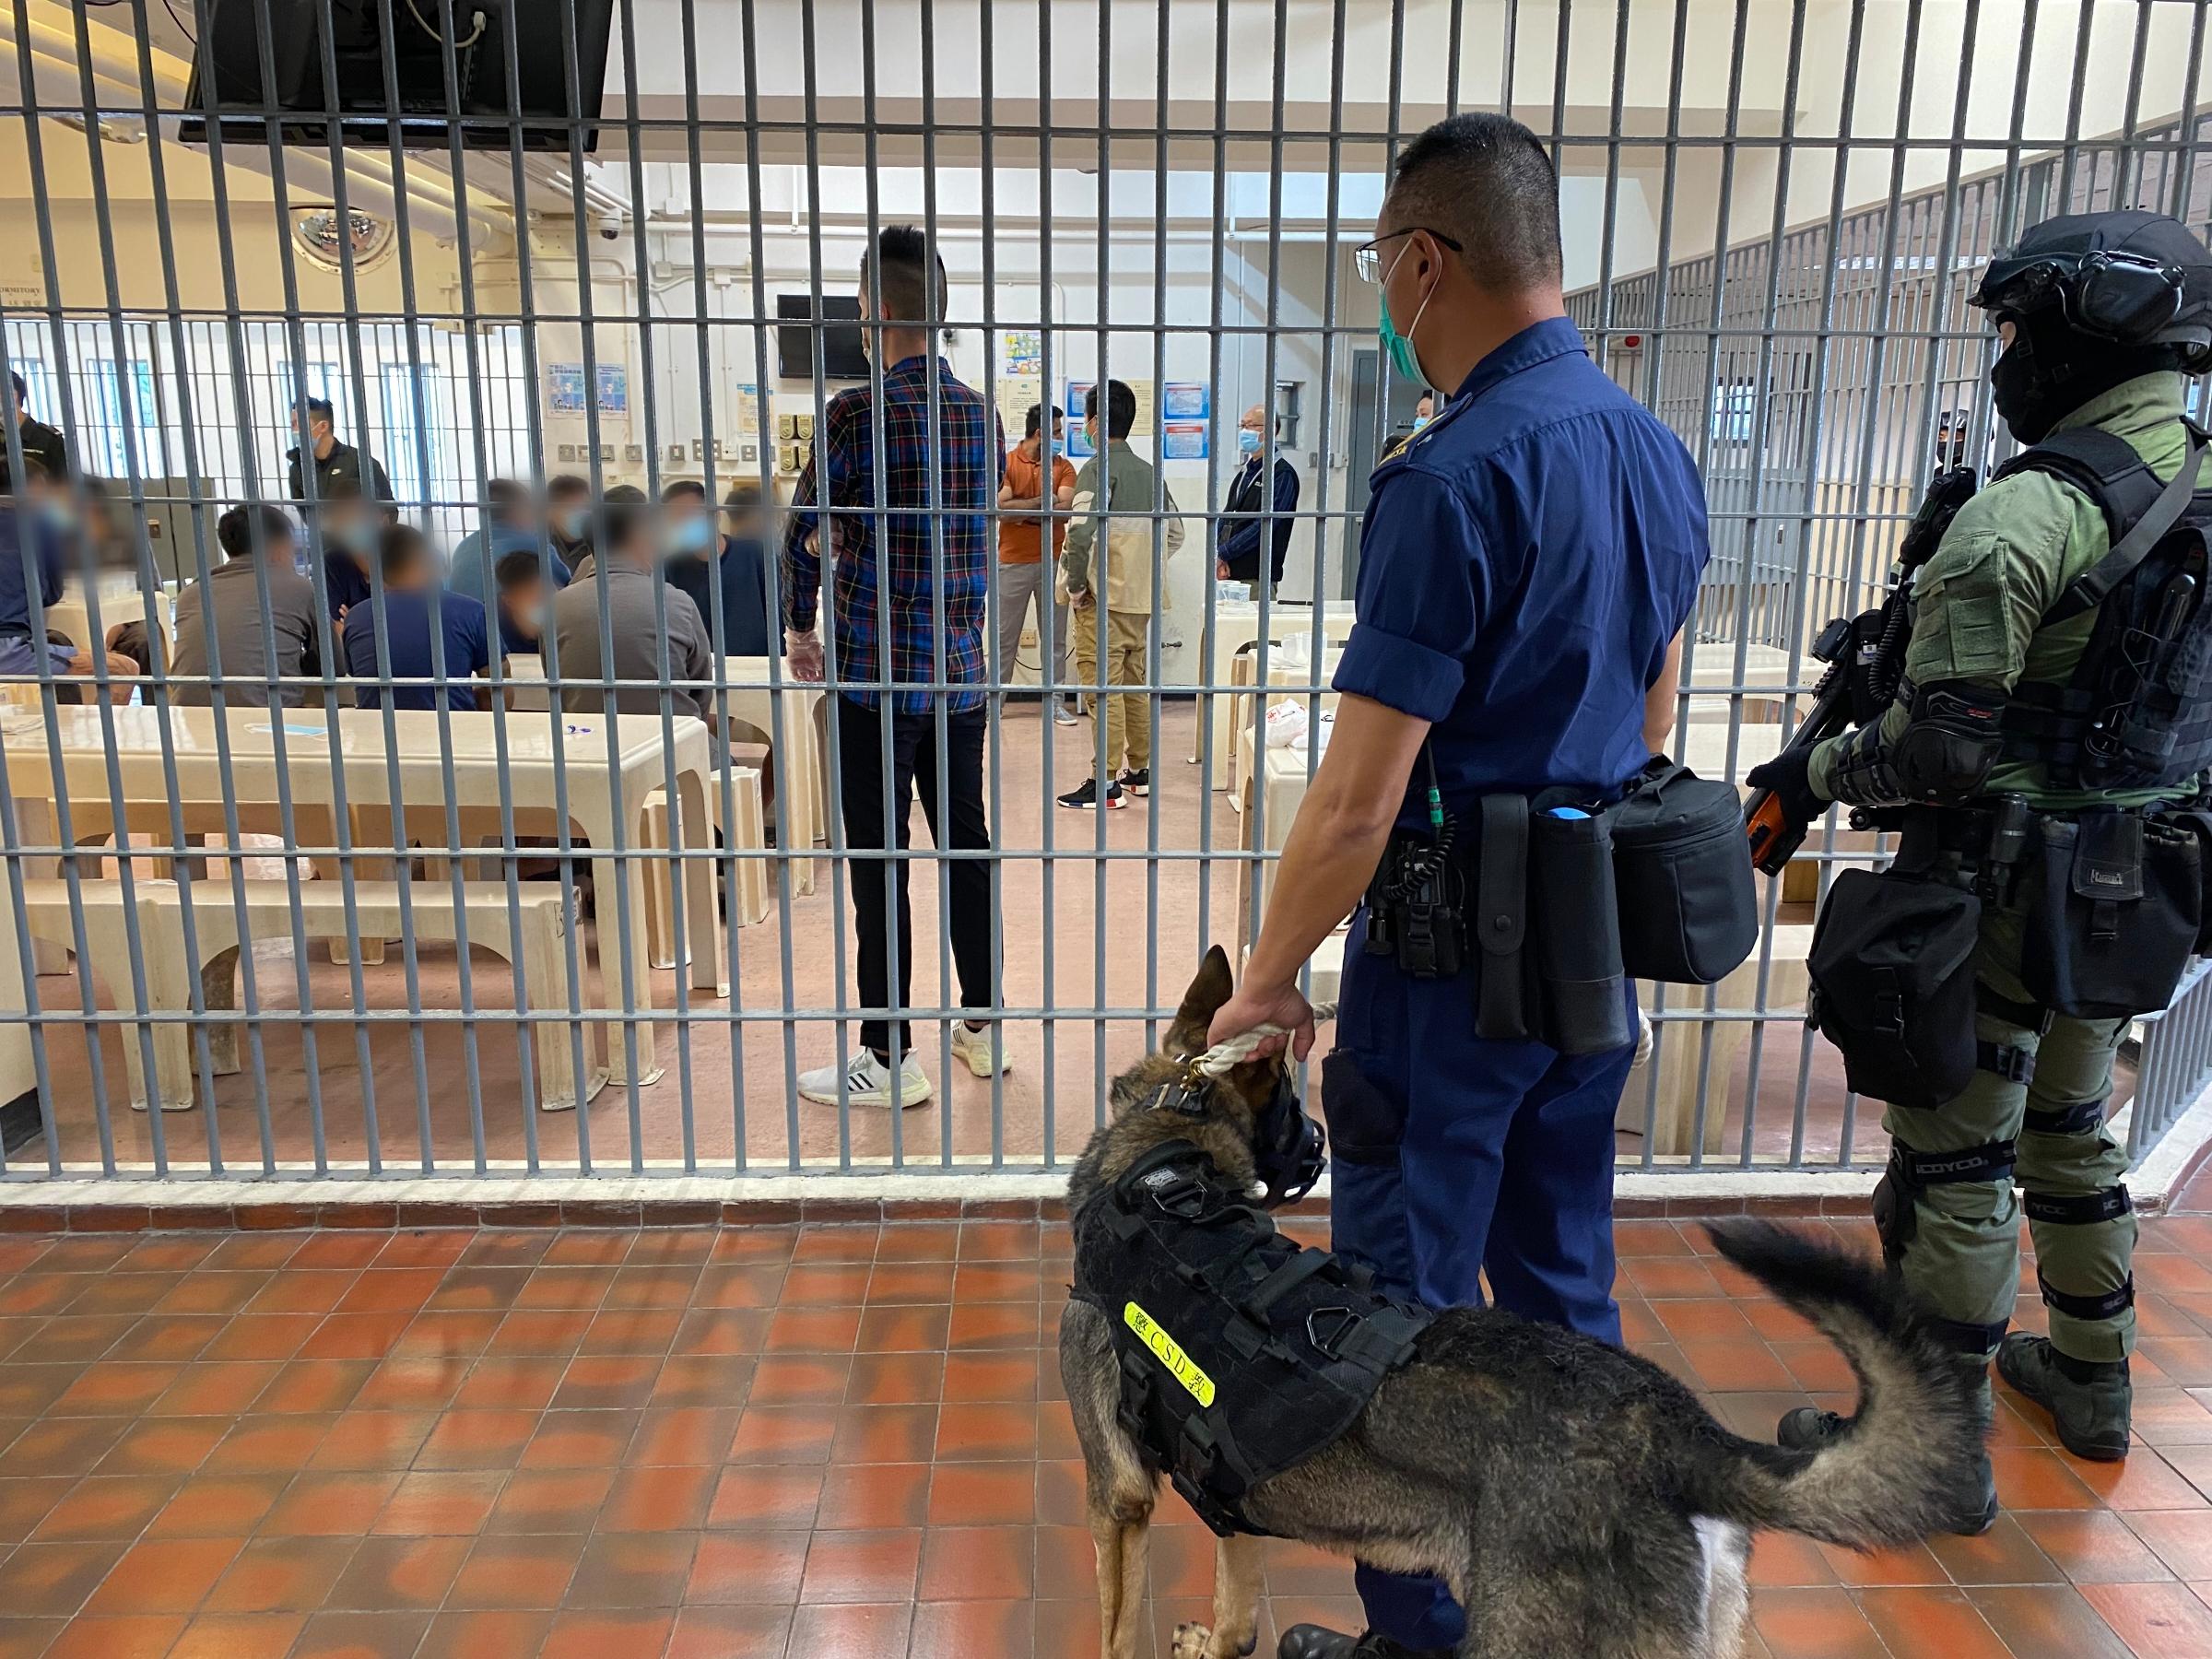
[
  {"x": 694, "y": 178},
  {"x": 880, "y": 519},
  {"x": 841, "y": 868},
  {"x": 1047, "y": 354},
  {"x": 1657, "y": 346},
  {"x": 549, "y": 651},
  {"x": 781, "y": 719},
  {"x": 674, "y": 858},
  {"x": 614, "y": 860},
  {"x": 526, "y": 1051},
  {"x": 999, "y": 672}
]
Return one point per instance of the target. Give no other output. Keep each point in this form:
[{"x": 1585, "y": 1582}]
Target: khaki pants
[
  {"x": 1127, "y": 716},
  {"x": 1963, "y": 1260}
]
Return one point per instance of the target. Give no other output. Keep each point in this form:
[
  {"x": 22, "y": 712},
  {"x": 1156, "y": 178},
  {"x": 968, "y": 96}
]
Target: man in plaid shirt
[{"x": 895, "y": 647}]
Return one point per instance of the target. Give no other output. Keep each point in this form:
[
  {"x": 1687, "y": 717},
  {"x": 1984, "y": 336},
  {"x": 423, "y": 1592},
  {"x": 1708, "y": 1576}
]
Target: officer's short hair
[
  {"x": 1035, "y": 420},
  {"x": 319, "y": 408},
  {"x": 1121, "y": 407},
  {"x": 1484, "y": 181}
]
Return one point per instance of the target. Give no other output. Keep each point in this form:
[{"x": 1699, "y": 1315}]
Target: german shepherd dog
[{"x": 1577, "y": 1499}]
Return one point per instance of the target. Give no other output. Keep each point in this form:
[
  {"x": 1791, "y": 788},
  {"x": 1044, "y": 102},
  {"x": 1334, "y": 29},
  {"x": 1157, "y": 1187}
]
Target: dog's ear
[{"x": 1200, "y": 1004}]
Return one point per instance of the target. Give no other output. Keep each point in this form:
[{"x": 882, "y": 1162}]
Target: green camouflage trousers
[{"x": 1961, "y": 1254}]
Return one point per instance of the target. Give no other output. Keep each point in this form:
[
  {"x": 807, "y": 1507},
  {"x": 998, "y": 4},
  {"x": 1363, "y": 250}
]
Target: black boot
[
  {"x": 2090, "y": 1404},
  {"x": 1310, "y": 1642},
  {"x": 1809, "y": 1429}
]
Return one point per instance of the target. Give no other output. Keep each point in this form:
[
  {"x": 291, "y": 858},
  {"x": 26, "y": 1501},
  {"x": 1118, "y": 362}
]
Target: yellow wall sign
[{"x": 1169, "y": 1353}]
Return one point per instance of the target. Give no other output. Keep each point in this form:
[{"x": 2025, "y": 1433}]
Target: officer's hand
[
  {"x": 1789, "y": 775},
  {"x": 1253, "y": 1006}
]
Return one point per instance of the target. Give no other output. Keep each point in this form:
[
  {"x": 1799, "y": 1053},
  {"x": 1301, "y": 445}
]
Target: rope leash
[{"x": 1224, "y": 1057}]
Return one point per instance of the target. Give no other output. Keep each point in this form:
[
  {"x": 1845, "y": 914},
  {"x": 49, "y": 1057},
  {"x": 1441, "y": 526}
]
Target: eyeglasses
[{"x": 1366, "y": 258}]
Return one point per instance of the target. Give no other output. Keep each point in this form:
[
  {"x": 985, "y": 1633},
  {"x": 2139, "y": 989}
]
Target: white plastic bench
[{"x": 492, "y": 924}]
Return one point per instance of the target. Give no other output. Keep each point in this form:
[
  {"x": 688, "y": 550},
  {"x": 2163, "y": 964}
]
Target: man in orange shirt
[{"x": 1023, "y": 578}]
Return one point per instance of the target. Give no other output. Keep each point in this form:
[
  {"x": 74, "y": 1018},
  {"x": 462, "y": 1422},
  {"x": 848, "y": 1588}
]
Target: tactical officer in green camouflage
[{"x": 2099, "y": 314}]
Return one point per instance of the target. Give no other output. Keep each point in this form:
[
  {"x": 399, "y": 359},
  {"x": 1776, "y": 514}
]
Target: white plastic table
[
  {"x": 1237, "y": 627},
  {"x": 606, "y": 792}
]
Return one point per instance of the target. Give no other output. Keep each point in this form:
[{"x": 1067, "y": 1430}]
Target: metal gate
[{"x": 436, "y": 904}]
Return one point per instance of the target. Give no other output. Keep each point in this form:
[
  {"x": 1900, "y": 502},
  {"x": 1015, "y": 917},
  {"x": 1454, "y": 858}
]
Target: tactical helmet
[
  {"x": 2133, "y": 278},
  {"x": 2095, "y": 298}
]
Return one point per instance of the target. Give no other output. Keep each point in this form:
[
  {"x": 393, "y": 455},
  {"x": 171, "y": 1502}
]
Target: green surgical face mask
[{"x": 1399, "y": 345}]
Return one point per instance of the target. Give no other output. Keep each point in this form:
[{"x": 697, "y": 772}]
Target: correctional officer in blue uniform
[{"x": 1528, "y": 562}]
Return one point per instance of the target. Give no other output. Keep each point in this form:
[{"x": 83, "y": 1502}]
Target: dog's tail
[{"x": 1896, "y": 1472}]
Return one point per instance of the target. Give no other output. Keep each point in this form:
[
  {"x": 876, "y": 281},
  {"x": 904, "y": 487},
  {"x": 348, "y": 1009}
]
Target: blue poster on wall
[
  {"x": 564, "y": 388},
  {"x": 1078, "y": 440},
  {"x": 1186, "y": 401},
  {"x": 614, "y": 389}
]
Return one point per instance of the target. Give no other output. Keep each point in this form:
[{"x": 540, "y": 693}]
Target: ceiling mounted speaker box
[{"x": 266, "y": 61}]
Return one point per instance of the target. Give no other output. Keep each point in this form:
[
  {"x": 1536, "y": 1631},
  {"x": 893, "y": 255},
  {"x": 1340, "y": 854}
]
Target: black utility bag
[
  {"x": 1892, "y": 970},
  {"x": 2112, "y": 900},
  {"x": 1682, "y": 868},
  {"x": 2195, "y": 821}
]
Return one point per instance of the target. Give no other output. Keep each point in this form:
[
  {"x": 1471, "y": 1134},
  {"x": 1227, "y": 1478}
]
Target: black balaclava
[{"x": 2050, "y": 370}]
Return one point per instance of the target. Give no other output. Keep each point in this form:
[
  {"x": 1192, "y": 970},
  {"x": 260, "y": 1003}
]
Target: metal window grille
[{"x": 265, "y": 915}]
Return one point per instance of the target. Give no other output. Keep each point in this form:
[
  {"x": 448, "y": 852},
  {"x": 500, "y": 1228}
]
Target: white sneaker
[
  {"x": 985, "y": 1051},
  {"x": 868, "y": 1082}
]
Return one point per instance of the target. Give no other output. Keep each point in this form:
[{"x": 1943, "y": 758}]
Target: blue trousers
[{"x": 1505, "y": 1166}]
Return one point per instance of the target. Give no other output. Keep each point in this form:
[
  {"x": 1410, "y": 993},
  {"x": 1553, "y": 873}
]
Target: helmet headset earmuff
[{"x": 2107, "y": 295}]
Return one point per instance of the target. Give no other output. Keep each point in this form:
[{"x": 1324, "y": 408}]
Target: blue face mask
[
  {"x": 1421, "y": 420},
  {"x": 576, "y": 523},
  {"x": 1248, "y": 440},
  {"x": 58, "y": 517},
  {"x": 359, "y": 537},
  {"x": 694, "y": 534}
]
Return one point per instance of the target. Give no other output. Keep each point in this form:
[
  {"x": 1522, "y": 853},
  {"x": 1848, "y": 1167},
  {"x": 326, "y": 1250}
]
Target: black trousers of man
[{"x": 917, "y": 762}]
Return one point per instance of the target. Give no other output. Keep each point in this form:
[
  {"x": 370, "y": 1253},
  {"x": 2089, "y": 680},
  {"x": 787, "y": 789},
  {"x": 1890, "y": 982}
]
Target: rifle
[{"x": 1865, "y": 664}]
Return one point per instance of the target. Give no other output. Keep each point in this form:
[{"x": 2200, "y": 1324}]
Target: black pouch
[
  {"x": 1577, "y": 927},
  {"x": 1892, "y": 970},
  {"x": 1366, "y": 1123},
  {"x": 2114, "y": 902},
  {"x": 2197, "y": 823},
  {"x": 1682, "y": 869},
  {"x": 1503, "y": 993}
]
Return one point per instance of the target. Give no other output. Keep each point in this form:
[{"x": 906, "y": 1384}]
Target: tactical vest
[
  {"x": 2136, "y": 712},
  {"x": 1242, "y": 1354}
]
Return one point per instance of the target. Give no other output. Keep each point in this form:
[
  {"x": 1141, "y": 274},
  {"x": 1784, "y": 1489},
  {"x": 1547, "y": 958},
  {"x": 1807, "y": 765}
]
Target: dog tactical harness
[{"x": 1242, "y": 1354}]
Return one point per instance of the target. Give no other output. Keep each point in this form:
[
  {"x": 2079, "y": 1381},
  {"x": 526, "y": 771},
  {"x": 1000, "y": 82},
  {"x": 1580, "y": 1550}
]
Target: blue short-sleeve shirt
[
  {"x": 1526, "y": 562},
  {"x": 409, "y": 619}
]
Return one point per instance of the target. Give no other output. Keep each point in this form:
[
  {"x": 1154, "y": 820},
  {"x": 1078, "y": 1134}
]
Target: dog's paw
[{"x": 1193, "y": 1641}]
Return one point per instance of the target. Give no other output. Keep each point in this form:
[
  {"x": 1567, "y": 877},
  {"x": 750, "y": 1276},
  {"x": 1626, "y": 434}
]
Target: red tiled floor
[{"x": 838, "y": 1440}]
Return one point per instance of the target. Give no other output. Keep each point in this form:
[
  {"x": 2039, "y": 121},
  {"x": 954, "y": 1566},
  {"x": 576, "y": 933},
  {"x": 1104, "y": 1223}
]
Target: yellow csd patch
[{"x": 1169, "y": 1353}]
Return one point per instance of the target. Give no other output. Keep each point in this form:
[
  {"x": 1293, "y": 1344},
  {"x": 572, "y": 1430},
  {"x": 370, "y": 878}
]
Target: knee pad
[{"x": 1910, "y": 1173}]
